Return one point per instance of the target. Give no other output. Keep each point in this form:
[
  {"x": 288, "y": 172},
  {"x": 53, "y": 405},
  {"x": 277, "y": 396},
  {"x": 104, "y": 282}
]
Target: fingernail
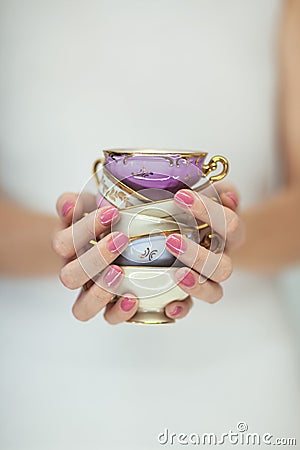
[
  {"x": 117, "y": 242},
  {"x": 176, "y": 311},
  {"x": 185, "y": 277},
  {"x": 176, "y": 244},
  {"x": 113, "y": 276},
  {"x": 67, "y": 207},
  {"x": 127, "y": 304},
  {"x": 109, "y": 215},
  {"x": 184, "y": 198},
  {"x": 233, "y": 198}
]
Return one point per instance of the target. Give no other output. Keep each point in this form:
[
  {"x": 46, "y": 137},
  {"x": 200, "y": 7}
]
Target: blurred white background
[{"x": 80, "y": 76}]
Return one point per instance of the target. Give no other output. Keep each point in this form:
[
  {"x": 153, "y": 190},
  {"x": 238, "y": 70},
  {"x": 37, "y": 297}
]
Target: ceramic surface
[
  {"x": 161, "y": 169},
  {"x": 155, "y": 287},
  {"x": 151, "y": 250}
]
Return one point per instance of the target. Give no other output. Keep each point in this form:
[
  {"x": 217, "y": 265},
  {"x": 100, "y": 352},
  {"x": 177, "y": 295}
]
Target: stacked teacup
[{"x": 141, "y": 184}]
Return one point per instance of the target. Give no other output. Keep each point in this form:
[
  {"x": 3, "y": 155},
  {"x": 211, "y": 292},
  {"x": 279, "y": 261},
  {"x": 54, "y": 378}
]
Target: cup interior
[{"x": 160, "y": 170}]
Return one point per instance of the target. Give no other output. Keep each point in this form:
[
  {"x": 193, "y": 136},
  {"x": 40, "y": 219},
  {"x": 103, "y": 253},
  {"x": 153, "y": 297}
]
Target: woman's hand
[
  {"x": 204, "y": 270},
  {"x": 84, "y": 263}
]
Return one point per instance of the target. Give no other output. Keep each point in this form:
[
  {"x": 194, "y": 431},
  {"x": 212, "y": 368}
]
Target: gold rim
[
  {"x": 154, "y": 203},
  {"x": 168, "y": 232},
  {"x": 155, "y": 151},
  {"x": 150, "y": 317},
  {"x": 149, "y": 267},
  {"x": 163, "y": 233},
  {"x": 158, "y": 233}
]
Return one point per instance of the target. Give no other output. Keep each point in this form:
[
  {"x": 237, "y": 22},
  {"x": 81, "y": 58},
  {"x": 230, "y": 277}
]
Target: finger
[
  {"x": 71, "y": 240},
  {"x": 91, "y": 301},
  {"x": 222, "y": 219},
  {"x": 198, "y": 286},
  {"x": 124, "y": 308},
  {"x": 179, "y": 309},
  {"x": 65, "y": 206},
  {"x": 229, "y": 200},
  {"x": 214, "y": 266},
  {"x": 228, "y": 195},
  {"x": 76, "y": 273},
  {"x": 71, "y": 206}
]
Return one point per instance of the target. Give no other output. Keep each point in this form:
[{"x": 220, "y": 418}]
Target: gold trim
[
  {"x": 186, "y": 157},
  {"x": 144, "y": 317},
  {"x": 124, "y": 187},
  {"x": 163, "y": 233},
  {"x": 117, "y": 182},
  {"x": 156, "y": 202},
  {"x": 155, "y": 151},
  {"x": 162, "y": 153},
  {"x": 179, "y": 230},
  {"x": 95, "y": 168},
  {"x": 149, "y": 267},
  {"x": 162, "y": 220}
]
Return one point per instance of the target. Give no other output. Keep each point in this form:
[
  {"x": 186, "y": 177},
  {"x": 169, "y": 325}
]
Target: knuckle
[
  {"x": 233, "y": 223},
  {"x": 226, "y": 268}
]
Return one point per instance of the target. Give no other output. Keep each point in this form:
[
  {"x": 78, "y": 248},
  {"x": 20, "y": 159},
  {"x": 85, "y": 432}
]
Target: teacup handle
[
  {"x": 206, "y": 242},
  {"x": 95, "y": 169},
  {"x": 211, "y": 167}
]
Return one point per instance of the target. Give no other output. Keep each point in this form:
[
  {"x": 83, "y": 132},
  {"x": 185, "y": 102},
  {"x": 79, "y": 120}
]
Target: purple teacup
[{"x": 160, "y": 169}]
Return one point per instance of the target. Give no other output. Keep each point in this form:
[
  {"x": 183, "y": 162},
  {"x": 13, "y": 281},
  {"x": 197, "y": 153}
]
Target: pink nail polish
[
  {"x": 187, "y": 280},
  {"x": 127, "y": 304},
  {"x": 233, "y": 198},
  {"x": 176, "y": 244},
  {"x": 113, "y": 276},
  {"x": 67, "y": 207},
  {"x": 109, "y": 215},
  {"x": 184, "y": 198},
  {"x": 117, "y": 242},
  {"x": 176, "y": 311}
]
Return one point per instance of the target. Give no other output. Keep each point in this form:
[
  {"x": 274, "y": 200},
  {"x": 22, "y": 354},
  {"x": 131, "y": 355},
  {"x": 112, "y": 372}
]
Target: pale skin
[{"x": 25, "y": 235}]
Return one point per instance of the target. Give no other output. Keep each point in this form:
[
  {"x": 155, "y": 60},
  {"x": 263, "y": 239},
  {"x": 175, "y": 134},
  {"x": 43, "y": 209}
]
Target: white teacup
[{"x": 155, "y": 287}]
